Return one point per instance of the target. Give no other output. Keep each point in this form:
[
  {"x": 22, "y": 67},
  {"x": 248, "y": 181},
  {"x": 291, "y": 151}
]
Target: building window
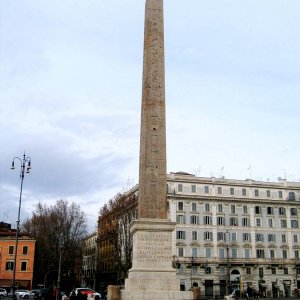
[
  {"x": 206, "y": 189},
  {"x": 207, "y": 270},
  {"x": 284, "y": 254},
  {"x": 270, "y": 223},
  {"x": 268, "y": 193},
  {"x": 294, "y": 223},
  {"x": 219, "y": 190},
  {"x": 180, "y": 205},
  {"x": 220, "y": 236},
  {"x": 25, "y": 250},
  {"x": 11, "y": 250},
  {"x": 193, "y": 188},
  {"x": 207, "y": 236},
  {"x": 24, "y": 266},
  {"x": 295, "y": 236},
  {"x": 194, "y": 220},
  {"x": 248, "y": 271},
  {"x": 222, "y": 270},
  {"x": 245, "y": 222},
  {"x": 256, "y": 193},
  {"x": 270, "y": 210},
  {"x": 220, "y": 208},
  {"x": 257, "y": 210},
  {"x": 271, "y": 238},
  {"x": 247, "y": 253},
  {"x": 283, "y": 223},
  {"x": 180, "y": 235},
  {"x": 280, "y": 194},
  {"x": 246, "y": 237},
  {"x": 194, "y": 235},
  {"x": 272, "y": 254},
  {"x": 221, "y": 221},
  {"x": 245, "y": 209},
  {"x": 208, "y": 252},
  {"x": 292, "y": 196},
  {"x": 233, "y": 252},
  {"x": 232, "y": 209},
  {"x": 231, "y": 191},
  {"x": 180, "y": 187},
  {"x": 296, "y": 254},
  {"x": 207, "y": 220},
  {"x": 221, "y": 253},
  {"x": 244, "y": 192},
  {"x": 233, "y": 221},
  {"x": 207, "y": 208},
  {"x": 283, "y": 238},
  {"x": 194, "y": 206},
  {"x": 180, "y": 252},
  {"x": 9, "y": 266},
  {"x": 273, "y": 271},
  {"x": 180, "y": 219},
  {"x": 233, "y": 236},
  {"x": 281, "y": 211},
  {"x": 259, "y": 237},
  {"x": 194, "y": 252},
  {"x": 260, "y": 253},
  {"x": 285, "y": 271},
  {"x": 258, "y": 222},
  {"x": 293, "y": 211}
]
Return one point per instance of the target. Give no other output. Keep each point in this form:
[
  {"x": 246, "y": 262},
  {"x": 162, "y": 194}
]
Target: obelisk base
[{"x": 152, "y": 276}]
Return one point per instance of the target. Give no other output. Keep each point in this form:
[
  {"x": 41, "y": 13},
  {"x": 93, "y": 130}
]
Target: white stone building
[
  {"x": 89, "y": 261},
  {"x": 235, "y": 233}
]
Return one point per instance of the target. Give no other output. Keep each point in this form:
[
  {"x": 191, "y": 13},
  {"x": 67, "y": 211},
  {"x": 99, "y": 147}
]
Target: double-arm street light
[{"x": 25, "y": 167}]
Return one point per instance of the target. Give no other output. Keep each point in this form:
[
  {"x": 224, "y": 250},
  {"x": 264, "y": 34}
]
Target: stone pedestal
[{"x": 152, "y": 276}]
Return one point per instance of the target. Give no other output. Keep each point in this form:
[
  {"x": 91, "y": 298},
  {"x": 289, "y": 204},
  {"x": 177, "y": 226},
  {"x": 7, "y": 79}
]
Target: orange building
[{"x": 24, "y": 260}]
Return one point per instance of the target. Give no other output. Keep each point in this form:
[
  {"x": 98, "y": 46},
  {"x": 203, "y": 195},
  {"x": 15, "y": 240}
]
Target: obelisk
[
  {"x": 152, "y": 276},
  {"x": 152, "y": 177}
]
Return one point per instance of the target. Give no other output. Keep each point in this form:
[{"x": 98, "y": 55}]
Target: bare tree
[
  {"x": 56, "y": 228},
  {"x": 114, "y": 220}
]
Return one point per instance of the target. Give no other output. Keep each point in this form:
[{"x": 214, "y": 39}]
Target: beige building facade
[{"x": 235, "y": 234}]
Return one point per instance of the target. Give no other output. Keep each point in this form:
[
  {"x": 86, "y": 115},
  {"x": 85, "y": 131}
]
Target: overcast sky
[{"x": 70, "y": 95}]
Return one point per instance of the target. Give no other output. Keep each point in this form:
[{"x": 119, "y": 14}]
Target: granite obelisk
[
  {"x": 152, "y": 276},
  {"x": 152, "y": 177}
]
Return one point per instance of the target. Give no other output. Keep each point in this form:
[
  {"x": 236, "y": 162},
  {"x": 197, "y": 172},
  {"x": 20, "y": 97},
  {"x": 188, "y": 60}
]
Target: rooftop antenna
[
  {"x": 197, "y": 171},
  {"x": 222, "y": 170},
  {"x": 250, "y": 171}
]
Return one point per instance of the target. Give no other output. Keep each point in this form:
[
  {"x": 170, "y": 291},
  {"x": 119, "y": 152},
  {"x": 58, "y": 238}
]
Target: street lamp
[
  {"x": 25, "y": 165},
  {"x": 227, "y": 239},
  {"x": 59, "y": 271},
  {"x": 192, "y": 261}
]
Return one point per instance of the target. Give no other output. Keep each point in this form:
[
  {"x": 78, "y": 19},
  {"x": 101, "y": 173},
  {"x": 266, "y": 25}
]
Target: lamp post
[
  {"x": 227, "y": 239},
  {"x": 25, "y": 164},
  {"x": 192, "y": 261},
  {"x": 59, "y": 272}
]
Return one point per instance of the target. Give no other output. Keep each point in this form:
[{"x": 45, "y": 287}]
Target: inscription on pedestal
[{"x": 152, "y": 249}]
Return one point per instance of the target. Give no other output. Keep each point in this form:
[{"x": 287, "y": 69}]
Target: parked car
[
  {"x": 237, "y": 295},
  {"x": 85, "y": 292},
  {"x": 3, "y": 293},
  {"x": 20, "y": 293},
  {"x": 29, "y": 294},
  {"x": 41, "y": 293}
]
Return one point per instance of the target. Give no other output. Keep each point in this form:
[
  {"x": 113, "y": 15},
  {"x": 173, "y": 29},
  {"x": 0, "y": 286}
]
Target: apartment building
[
  {"x": 24, "y": 259},
  {"x": 235, "y": 234},
  {"x": 89, "y": 261}
]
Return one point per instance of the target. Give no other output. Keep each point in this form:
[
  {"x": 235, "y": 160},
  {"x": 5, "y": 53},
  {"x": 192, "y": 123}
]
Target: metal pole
[
  {"x": 23, "y": 165},
  {"x": 228, "y": 270},
  {"x": 228, "y": 285},
  {"x": 58, "y": 276}
]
